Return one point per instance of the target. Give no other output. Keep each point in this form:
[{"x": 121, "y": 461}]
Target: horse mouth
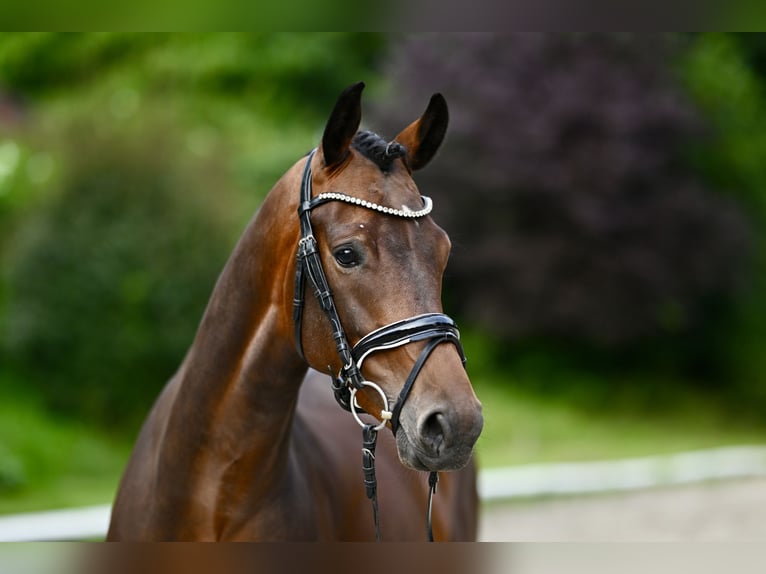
[{"x": 416, "y": 457}]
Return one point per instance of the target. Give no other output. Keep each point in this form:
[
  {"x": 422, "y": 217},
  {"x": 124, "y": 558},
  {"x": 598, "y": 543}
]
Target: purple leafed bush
[{"x": 563, "y": 186}]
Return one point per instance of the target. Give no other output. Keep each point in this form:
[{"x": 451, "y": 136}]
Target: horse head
[{"x": 383, "y": 259}]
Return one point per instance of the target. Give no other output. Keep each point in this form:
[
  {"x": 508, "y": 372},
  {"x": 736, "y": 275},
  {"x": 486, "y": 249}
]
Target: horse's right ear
[
  {"x": 423, "y": 137},
  {"x": 342, "y": 125}
]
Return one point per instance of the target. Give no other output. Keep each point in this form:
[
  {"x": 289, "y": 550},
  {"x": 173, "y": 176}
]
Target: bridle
[{"x": 434, "y": 328}]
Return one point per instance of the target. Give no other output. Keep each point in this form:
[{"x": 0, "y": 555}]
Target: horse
[{"x": 245, "y": 441}]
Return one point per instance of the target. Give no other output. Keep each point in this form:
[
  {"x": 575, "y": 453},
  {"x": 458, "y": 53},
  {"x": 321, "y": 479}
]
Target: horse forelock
[{"x": 375, "y": 148}]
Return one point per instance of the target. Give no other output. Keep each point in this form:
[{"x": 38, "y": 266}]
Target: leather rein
[{"x": 434, "y": 328}]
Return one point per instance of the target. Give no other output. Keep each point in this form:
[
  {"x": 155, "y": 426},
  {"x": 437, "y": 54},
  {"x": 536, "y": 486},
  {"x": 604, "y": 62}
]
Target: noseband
[{"x": 434, "y": 328}]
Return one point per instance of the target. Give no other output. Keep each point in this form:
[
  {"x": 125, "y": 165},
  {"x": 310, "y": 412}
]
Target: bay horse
[{"x": 246, "y": 442}]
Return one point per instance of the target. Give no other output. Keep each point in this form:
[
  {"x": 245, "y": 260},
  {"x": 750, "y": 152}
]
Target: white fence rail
[
  {"x": 494, "y": 484},
  {"x": 620, "y": 475},
  {"x": 70, "y": 524}
]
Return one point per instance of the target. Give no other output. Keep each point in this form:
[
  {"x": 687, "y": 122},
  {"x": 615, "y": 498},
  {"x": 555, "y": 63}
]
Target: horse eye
[{"x": 346, "y": 257}]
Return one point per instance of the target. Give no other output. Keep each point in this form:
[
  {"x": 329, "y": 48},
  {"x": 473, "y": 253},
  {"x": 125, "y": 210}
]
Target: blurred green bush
[
  {"x": 726, "y": 76},
  {"x": 108, "y": 278}
]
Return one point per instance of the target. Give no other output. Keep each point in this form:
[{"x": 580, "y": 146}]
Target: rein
[{"x": 435, "y": 328}]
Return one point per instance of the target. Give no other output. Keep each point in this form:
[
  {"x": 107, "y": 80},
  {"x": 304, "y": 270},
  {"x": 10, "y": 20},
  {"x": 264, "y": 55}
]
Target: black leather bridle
[{"x": 433, "y": 328}]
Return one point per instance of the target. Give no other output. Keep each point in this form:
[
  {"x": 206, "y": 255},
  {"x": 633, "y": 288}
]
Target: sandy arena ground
[{"x": 721, "y": 511}]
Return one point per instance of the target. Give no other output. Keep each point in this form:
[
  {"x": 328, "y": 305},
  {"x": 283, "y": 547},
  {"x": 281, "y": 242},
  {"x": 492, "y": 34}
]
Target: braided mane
[{"x": 374, "y": 147}]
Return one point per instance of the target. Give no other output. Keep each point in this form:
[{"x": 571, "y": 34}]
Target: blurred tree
[
  {"x": 563, "y": 183},
  {"x": 726, "y": 75},
  {"x": 108, "y": 280},
  {"x": 288, "y": 73}
]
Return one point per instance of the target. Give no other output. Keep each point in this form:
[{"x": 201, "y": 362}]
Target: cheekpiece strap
[{"x": 309, "y": 265}]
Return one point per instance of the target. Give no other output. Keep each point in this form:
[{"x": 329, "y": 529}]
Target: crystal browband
[{"x": 332, "y": 196}]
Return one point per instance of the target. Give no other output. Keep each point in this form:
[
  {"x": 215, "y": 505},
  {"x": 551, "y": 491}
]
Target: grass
[
  {"x": 47, "y": 462},
  {"x": 524, "y": 428}
]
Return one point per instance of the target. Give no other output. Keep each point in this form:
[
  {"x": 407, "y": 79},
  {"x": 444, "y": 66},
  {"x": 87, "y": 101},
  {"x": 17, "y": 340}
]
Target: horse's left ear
[
  {"x": 342, "y": 125},
  {"x": 423, "y": 137}
]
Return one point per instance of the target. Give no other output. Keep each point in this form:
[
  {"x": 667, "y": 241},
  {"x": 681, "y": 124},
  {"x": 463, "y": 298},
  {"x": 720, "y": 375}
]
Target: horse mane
[{"x": 375, "y": 148}]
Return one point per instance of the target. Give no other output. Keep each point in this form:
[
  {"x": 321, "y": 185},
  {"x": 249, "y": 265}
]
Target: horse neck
[{"x": 236, "y": 391}]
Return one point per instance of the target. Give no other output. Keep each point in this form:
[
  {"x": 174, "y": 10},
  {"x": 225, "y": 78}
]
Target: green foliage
[
  {"x": 70, "y": 463},
  {"x": 289, "y": 74},
  {"x": 726, "y": 85},
  {"x": 108, "y": 279},
  {"x": 726, "y": 76}
]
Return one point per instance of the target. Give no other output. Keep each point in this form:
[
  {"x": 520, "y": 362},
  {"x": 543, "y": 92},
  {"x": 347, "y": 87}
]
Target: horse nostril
[{"x": 433, "y": 431}]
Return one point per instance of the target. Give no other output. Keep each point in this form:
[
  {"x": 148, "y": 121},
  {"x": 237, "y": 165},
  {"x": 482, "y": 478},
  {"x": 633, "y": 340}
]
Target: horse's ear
[
  {"x": 423, "y": 137},
  {"x": 342, "y": 125}
]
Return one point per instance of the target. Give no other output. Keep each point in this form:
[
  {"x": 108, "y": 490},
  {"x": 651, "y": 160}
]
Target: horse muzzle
[{"x": 441, "y": 438}]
